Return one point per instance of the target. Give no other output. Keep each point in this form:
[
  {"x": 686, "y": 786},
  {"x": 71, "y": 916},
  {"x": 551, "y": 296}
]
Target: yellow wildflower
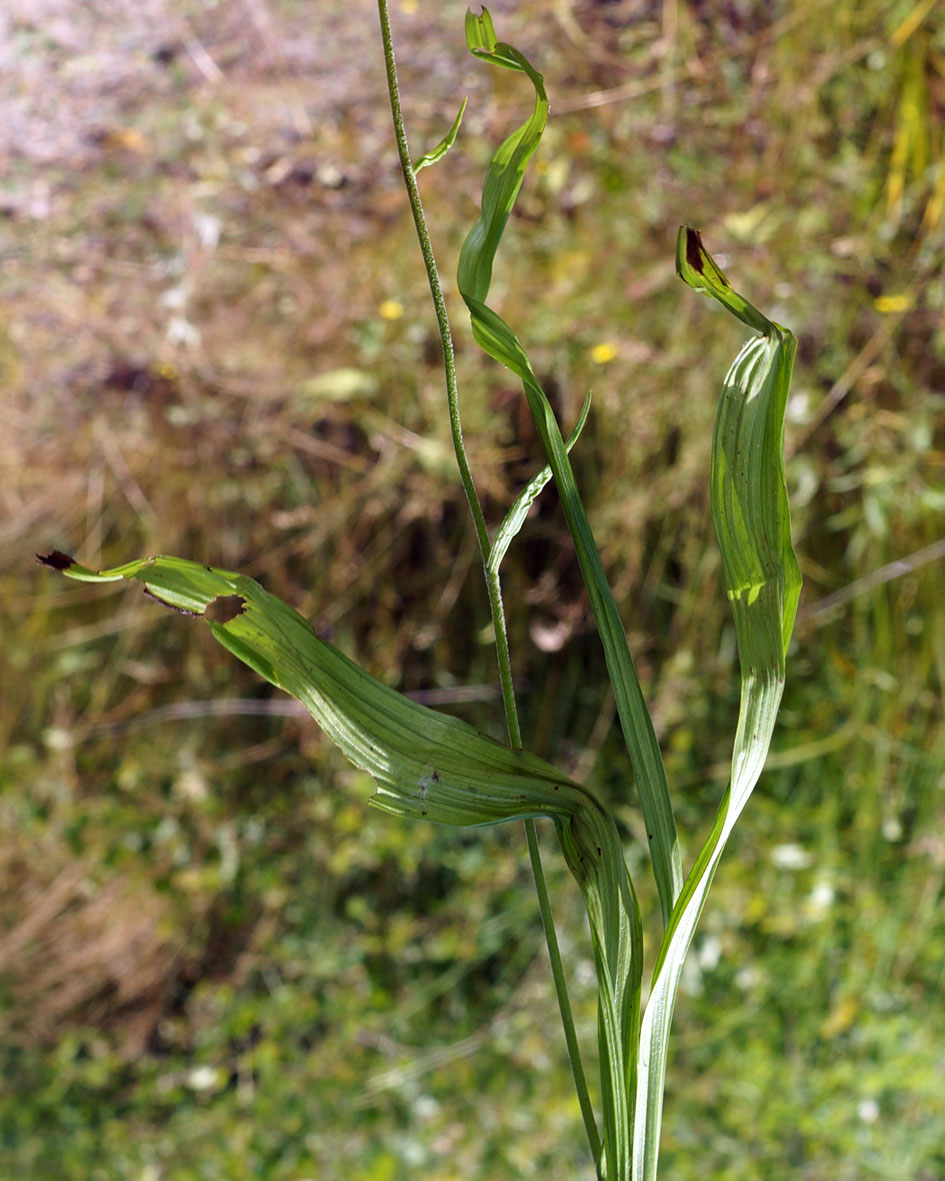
[
  {"x": 603, "y": 353},
  {"x": 893, "y": 303},
  {"x": 391, "y": 309}
]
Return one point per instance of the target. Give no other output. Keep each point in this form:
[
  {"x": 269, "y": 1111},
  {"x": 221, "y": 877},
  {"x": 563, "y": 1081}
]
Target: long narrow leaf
[
  {"x": 619, "y": 972},
  {"x": 752, "y": 523},
  {"x": 503, "y": 181},
  {"x": 619, "y": 967}
]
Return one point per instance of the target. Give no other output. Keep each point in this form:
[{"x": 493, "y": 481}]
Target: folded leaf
[
  {"x": 425, "y": 764},
  {"x": 752, "y": 523}
]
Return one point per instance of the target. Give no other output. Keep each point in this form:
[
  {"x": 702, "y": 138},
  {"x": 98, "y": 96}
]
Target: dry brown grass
[
  {"x": 79, "y": 950},
  {"x": 210, "y": 221}
]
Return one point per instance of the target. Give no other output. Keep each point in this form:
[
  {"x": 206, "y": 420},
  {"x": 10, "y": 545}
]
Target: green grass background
[{"x": 215, "y": 960}]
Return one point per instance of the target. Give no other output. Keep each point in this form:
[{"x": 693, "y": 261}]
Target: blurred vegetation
[{"x": 215, "y": 960}]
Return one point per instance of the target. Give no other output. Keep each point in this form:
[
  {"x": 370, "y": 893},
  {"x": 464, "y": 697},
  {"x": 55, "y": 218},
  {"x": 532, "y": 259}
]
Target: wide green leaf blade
[
  {"x": 752, "y": 523},
  {"x": 425, "y": 764}
]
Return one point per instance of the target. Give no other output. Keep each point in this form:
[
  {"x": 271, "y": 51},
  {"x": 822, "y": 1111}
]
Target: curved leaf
[
  {"x": 752, "y": 523},
  {"x": 619, "y": 967},
  {"x": 445, "y": 143},
  {"x": 503, "y": 181},
  {"x": 425, "y": 764},
  {"x": 515, "y": 518}
]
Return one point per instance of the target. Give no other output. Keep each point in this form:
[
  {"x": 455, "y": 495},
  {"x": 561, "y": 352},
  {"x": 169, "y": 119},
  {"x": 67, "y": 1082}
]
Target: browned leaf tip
[
  {"x": 694, "y": 249},
  {"x": 57, "y": 560}
]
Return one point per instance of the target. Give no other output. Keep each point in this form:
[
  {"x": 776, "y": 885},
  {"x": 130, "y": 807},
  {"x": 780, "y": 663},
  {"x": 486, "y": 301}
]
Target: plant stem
[
  {"x": 561, "y": 988},
  {"x": 493, "y": 585},
  {"x": 452, "y": 391},
  {"x": 426, "y": 247}
]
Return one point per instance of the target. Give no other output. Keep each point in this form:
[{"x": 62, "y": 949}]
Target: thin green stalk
[
  {"x": 493, "y": 585},
  {"x": 449, "y": 366},
  {"x": 561, "y": 988}
]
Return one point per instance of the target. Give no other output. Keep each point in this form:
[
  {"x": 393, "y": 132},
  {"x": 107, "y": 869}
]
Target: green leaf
[
  {"x": 619, "y": 970},
  {"x": 508, "y": 166},
  {"x": 752, "y": 523},
  {"x": 503, "y": 181},
  {"x": 444, "y": 145},
  {"x": 425, "y": 764},
  {"x": 698, "y": 268},
  {"x": 515, "y": 517}
]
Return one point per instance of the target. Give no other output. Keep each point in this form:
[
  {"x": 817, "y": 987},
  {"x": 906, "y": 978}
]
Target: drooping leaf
[
  {"x": 752, "y": 523},
  {"x": 425, "y": 764}
]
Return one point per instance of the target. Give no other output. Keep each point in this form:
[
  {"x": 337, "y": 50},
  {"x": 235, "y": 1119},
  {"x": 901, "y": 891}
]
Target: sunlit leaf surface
[{"x": 752, "y": 524}]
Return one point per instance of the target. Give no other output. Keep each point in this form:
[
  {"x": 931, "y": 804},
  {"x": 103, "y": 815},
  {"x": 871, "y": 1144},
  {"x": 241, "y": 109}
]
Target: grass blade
[
  {"x": 752, "y": 523},
  {"x": 503, "y": 181}
]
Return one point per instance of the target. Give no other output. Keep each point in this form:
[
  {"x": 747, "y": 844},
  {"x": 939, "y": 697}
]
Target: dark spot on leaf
[
  {"x": 557, "y": 787},
  {"x": 436, "y": 775},
  {"x": 57, "y": 560},
  {"x": 164, "y": 603},
  {"x": 224, "y": 608},
  {"x": 694, "y": 249},
  {"x": 649, "y": 836},
  {"x": 599, "y": 850},
  {"x": 423, "y": 812}
]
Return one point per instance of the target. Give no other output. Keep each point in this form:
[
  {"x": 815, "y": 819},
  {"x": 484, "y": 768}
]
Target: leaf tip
[
  {"x": 56, "y": 560},
  {"x": 694, "y": 248},
  {"x": 480, "y": 31}
]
